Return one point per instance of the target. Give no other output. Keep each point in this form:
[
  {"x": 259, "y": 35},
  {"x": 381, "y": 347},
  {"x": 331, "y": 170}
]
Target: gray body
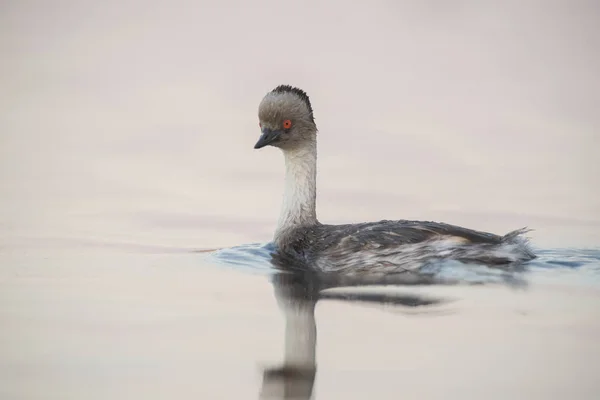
[
  {"x": 287, "y": 122},
  {"x": 396, "y": 246}
]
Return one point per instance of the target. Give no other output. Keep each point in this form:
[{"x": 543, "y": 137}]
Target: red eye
[{"x": 287, "y": 124}]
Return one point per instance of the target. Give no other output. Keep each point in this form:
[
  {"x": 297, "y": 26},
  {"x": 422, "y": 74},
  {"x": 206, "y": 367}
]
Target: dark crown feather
[{"x": 298, "y": 92}]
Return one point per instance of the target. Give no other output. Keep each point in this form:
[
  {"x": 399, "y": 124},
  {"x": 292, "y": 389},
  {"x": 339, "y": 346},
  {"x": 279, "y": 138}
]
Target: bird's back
[{"x": 398, "y": 245}]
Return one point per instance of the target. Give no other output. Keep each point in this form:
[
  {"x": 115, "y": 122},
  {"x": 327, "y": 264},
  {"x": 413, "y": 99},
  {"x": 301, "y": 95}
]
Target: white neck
[{"x": 300, "y": 194}]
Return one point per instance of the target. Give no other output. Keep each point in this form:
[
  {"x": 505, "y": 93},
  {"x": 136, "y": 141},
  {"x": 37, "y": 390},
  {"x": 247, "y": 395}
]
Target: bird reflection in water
[{"x": 297, "y": 292}]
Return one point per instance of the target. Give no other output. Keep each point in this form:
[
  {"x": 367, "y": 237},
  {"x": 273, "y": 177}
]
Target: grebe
[{"x": 287, "y": 122}]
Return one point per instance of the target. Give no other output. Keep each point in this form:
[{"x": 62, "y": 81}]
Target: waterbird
[{"x": 286, "y": 121}]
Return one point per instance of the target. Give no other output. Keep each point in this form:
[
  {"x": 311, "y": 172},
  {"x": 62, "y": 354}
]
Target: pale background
[
  {"x": 126, "y": 135},
  {"x": 133, "y": 122}
]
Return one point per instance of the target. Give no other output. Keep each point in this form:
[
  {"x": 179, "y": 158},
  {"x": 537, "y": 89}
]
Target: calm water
[
  {"x": 105, "y": 323},
  {"x": 126, "y": 156}
]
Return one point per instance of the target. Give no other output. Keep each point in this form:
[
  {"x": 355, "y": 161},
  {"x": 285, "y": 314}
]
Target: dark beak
[{"x": 268, "y": 136}]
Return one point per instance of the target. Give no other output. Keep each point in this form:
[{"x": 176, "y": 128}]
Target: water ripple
[
  {"x": 254, "y": 257},
  {"x": 582, "y": 264}
]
